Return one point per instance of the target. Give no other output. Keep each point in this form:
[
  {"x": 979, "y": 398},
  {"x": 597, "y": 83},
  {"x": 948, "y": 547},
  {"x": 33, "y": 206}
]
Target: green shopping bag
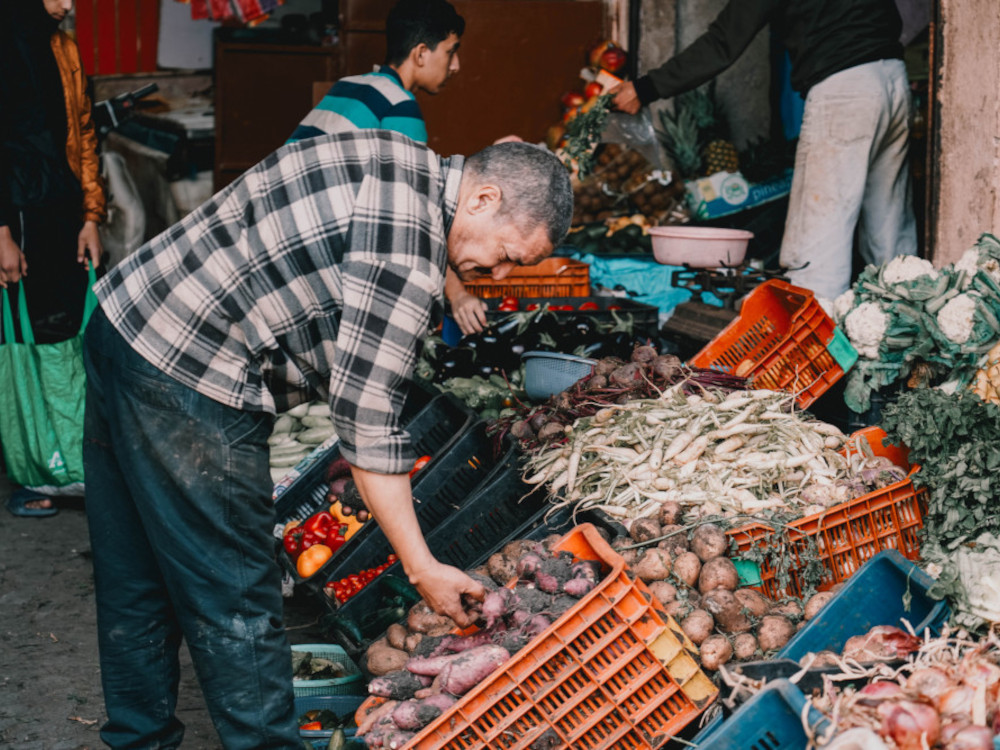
[{"x": 41, "y": 400}]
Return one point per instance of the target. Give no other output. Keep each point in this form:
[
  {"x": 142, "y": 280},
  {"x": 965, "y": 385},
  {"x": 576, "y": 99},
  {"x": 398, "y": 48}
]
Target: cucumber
[
  {"x": 298, "y": 411},
  {"x": 319, "y": 409},
  {"x": 313, "y": 421},
  {"x": 284, "y": 424},
  {"x": 314, "y": 435}
]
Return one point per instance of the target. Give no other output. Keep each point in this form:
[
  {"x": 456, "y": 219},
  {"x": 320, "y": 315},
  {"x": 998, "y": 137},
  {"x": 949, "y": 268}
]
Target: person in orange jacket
[{"x": 51, "y": 198}]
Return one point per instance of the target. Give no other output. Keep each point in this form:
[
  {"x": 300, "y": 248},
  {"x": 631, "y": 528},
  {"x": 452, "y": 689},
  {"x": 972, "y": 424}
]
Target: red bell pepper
[{"x": 319, "y": 524}]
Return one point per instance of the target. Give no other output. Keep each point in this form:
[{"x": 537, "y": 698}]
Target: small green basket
[{"x": 350, "y": 684}]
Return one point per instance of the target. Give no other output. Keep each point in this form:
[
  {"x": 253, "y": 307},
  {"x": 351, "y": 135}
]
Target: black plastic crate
[
  {"x": 438, "y": 490},
  {"x": 432, "y": 431},
  {"x": 645, "y": 318}
]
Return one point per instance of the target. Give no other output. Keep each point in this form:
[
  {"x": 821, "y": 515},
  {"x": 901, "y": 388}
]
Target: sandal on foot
[{"x": 17, "y": 504}]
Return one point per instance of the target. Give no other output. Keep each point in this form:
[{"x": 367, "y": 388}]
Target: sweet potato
[
  {"x": 644, "y": 529},
  {"x": 430, "y": 666},
  {"x": 718, "y": 573},
  {"x": 501, "y": 567},
  {"x": 422, "y": 619},
  {"x": 816, "y": 603},
  {"x": 398, "y": 739},
  {"x": 654, "y": 565},
  {"x": 664, "y": 591},
  {"x": 715, "y": 651},
  {"x": 686, "y": 568},
  {"x": 471, "y": 668},
  {"x": 498, "y": 604},
  {"x": 775, "y": 631},
  {"x": 396, "y": 635},
  {"x": 698, "y": 625},
  {"x": 578, "y": 587},
  {"x": 726, "y": 610},
  {"x": 744, "y": 646},
  {"x": 399, "y": 685},
  {"x": 754, "y": 602},
  {"x": 382, "y": 658},
  {"x": 670, "y": 513},
  {"x": 371, "y": 718},
  {"x": 527, "y": 565},
  {"x": 413, "y": 714},
  {"x": 709, "y": 541}
]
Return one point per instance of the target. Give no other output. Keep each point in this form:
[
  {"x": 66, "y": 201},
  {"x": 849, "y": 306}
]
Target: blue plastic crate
[
  {"x": 771, "y": 720},
  {"x": 875, "y": 595}
]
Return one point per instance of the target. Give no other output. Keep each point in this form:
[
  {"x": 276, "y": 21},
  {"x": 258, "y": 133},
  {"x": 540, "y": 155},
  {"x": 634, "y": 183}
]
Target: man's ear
[
  {"x": 484, "y": 199},
  {"x": 418, "y": 55}
]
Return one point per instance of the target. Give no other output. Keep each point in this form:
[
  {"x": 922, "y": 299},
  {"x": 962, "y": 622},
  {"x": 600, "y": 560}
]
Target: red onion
[
  {"x": 929, "y": 683},
  {"x": 912, "y": 726},
  {"x": 949, "y": 729},
  {"x": 972, "y": 738},
  {"x": 875, "y": 692},
  {"x": 956, "y": 701}
]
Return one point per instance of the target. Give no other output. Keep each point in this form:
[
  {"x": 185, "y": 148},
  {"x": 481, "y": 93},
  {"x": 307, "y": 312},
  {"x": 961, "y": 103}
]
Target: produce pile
[
  {"x": 945, "y": 695},
  {"x": 425, "y": 667},
  {"x": 718, "y": 452},
  {"x": 296, "y": 433},
  {"x": 693, "y": 576},
  {"x": 910, "y": 320}
]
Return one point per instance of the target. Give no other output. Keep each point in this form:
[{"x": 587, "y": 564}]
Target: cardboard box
[{"x": 725, "y": 193}]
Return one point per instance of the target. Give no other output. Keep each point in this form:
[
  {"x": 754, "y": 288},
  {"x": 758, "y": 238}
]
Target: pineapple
[
  {"x": 682, "y": 141},
  {"x": 721, "y": 156}
]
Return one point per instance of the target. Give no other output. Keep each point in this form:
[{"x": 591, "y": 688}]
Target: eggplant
[{"x": 458, "y": 362}]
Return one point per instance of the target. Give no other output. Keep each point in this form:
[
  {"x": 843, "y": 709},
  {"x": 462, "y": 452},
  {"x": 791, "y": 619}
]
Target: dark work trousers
[
  {"x": 180, "y": 514},
  {"x": 56, "y": 284}
]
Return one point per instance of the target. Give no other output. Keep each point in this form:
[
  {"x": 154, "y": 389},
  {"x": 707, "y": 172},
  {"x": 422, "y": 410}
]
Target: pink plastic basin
[{"x": 699, "y": 247}]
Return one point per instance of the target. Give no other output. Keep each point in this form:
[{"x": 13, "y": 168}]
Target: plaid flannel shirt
[{"x": 314, "y": 273}]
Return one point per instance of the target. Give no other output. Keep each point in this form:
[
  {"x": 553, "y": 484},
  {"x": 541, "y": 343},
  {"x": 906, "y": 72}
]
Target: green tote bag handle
[{"x": 27, "y": 334}]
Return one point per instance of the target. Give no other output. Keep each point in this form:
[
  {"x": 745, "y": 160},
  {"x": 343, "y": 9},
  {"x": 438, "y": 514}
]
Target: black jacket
[{"x": 822, "y": 37}]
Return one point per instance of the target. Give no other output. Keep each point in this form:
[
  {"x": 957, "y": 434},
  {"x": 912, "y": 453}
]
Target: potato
[
  {"x": 396, "y": 635},
  {"x": 676, "y": 544},
  {"x": 718, "y": 573},
  {"x": 816, "y": 603},
  {"x": 382, "y": 658},
  {"x": 679, "y": 608},
  {"x": 708, "y": 541},
  {"x": 775, "y": 631},
  {"x": 744, "y": 646},
  {"x": 502, "y": 568},
  {"x": 654, "y": 565},
  {"x": 664, "y": 591},
  {"x": 412, "y": 642},
  {"x": 698, "y": 626},
  {"x": 754, "y": 602},
  {"x": 551, "y": 541},
  {"x": 422, "y": 619},
  {"x": 789, "y": 607},
  {"x": 644, "y": 529},
  {"x": 715, "y": 651},
  {"x": 630, "y": 556},
  {"x": 670, "y": 513},
  {"x": 727, "y": 611},
  {"x": 686, "y": 568}
]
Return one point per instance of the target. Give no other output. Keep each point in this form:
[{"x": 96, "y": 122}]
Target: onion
[
  {"x": 928, "y": 683},
  {"x": 912, "y": 726},
  {"x": 956, "y": 701},
  {"x": 972, "y": 738},
  {"x": 875, "y": 692}
]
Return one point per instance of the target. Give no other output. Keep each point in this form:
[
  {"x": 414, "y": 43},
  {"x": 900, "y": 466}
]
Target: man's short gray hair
[{"x": 535, "y": 186}]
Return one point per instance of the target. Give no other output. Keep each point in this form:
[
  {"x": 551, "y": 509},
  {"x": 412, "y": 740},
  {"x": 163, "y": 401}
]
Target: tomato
[
  {"x": 613, "y": 59},
  {"x": 507, "y": 308},
  {"x": 572, "y": 99},
  {"x": 419, "y": 464},
  {"x": 532, "y": 307},
  {"x": 614, "y": 307},
  {"x": 589, "y": 306},
  {"x": 593, "y": 89},
  {"x": 510, "y": 301},
  {"x": 562, "y": 308},
  {"x": 392, "y": 558},
  {"x": 292, "y": 542},
  {"x": 312, "y": 559},
  {"x": 311, "y": 726}
]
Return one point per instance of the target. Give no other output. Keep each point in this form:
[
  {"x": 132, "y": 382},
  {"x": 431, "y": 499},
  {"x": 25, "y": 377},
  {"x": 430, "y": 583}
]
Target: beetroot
[
  {"x": 547, "y": 582},
  {"x": 578, "y": 587},
  {"x": 537, "y": 624},
  {"x": 498, "y": 604},
  {"x": 528, "y": 565},
  {"x": 588, "y": 569}
]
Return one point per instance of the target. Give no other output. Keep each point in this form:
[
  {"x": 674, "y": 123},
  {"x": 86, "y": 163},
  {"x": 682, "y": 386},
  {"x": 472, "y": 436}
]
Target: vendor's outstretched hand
[
  {"x": 626, "y": 100},
  {"x": 469, "y": 312},
  {"x": 442, "y": 587}
]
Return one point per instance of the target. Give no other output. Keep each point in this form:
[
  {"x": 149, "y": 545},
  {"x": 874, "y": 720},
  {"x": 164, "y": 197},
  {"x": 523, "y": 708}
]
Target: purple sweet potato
[
  {"x": 429, "y": 666},
  {"x": 547, "y": 582},
  {"x": 413, "y": 714},
  {"x": 399, "y": 685},
  {"x": 499, "y": 604},
  {"x": 441, "y": 701},
  {"x": 578, "y": 587},
  {"x": 588, "y": 569},
  {"x": 537, "y": 624},
  {"x": 528, "y": 565},
  {"x": 397, "y": 739},
  {"x": 471, "y": 668}
]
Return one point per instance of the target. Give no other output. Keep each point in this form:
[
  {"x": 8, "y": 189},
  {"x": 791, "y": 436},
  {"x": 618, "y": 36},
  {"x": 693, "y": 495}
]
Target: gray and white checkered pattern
[{"x": 314, "y": 274}]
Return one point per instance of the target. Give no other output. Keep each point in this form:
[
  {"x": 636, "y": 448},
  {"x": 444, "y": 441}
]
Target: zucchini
[
  {"x": 298, "y": 411},
  {"x": 315, "y": 435},
  {"x": 313, "y": 421}
]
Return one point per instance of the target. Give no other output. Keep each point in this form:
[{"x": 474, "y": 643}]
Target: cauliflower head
[
  {"x": 956, "y": 318},
  {"x": 842, "y": 305},
  {"x": 904, "y": 268},
  {"x": 865, "y": 326}
]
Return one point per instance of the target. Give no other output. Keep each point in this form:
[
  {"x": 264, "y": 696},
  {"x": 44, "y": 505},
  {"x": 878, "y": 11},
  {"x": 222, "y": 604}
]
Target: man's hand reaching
[
  {"x": 443, "y": 587},
  {"x": 626, "y": 100}
]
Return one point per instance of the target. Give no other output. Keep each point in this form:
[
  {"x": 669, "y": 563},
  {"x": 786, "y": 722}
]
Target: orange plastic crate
[
  {"x": 553, "y": 277},
  {"x": 849, "y": 534},
  {"x": 615, "y": 671},
  {"x": 784, "y": 341}
]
